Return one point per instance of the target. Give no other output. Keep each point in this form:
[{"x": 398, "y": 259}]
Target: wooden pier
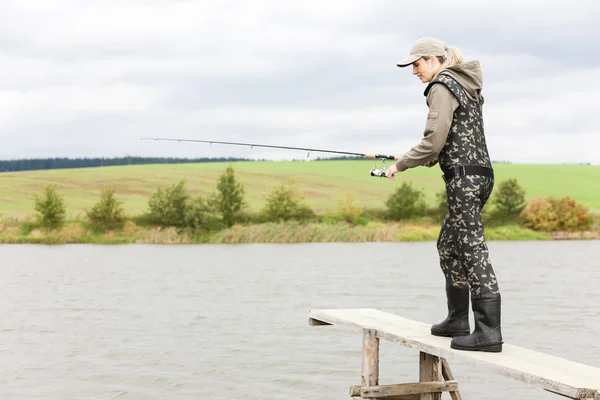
[{"x": 553, "y": 374}]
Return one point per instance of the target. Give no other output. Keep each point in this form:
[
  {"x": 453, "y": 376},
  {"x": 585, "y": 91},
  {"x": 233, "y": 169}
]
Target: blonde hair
[{"x": 453, "y": 57}]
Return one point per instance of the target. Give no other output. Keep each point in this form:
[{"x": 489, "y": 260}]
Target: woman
[{"x": 454, "y": 137}]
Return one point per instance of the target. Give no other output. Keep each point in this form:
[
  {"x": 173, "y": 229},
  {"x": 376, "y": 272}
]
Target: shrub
[
  {"x": 552, "y": 214},
  {"x": 200, "y": 216},
  {"x": 406, "y": 202},
  {"x": 107, "y": 213},
  {"x": 51, "y": 208},
  {"x": 285, "y": 203},
  {"x": 348, "y": 208},
  {"x": 229, "y": 199},
  {"x": 168, "y": 206},
  {"x": 509, "y": 200}
]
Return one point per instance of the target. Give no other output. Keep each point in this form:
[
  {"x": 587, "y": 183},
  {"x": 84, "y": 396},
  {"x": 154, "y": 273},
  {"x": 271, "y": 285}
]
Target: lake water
[{"x": 231, "y": 321}]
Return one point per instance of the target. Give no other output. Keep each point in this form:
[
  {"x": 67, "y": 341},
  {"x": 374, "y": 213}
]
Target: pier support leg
[
  {"x": 370, "y": 360},
  {"x": 430, "y": 385},
  {"x": 430, "y": 370},
  {"x": 448, "y": 376}
]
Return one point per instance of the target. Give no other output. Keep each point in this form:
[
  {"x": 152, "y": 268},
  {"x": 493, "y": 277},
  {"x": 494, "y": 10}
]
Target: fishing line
[{"x": 373, "y": 172}]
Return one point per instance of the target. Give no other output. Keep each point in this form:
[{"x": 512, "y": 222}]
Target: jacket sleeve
[{"x": 442, "y": 105}]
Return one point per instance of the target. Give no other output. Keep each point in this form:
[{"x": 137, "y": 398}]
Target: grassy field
[{"x": 321, "y": 182}]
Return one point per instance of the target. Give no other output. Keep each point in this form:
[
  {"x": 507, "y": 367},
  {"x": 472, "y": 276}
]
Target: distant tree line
[
  {"x": 85, "y": 162},
  {"x": 59, "y": 163}
]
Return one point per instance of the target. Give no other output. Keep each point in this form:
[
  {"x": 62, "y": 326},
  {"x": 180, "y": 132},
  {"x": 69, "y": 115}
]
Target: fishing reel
[{"x": 379, "y": 172}]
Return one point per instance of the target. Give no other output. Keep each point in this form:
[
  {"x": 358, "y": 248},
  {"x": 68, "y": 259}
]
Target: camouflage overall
[{"x": 462, "y": 249}]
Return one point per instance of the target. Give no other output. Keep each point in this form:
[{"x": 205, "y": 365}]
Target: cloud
[{"x": 83, "y": 78}]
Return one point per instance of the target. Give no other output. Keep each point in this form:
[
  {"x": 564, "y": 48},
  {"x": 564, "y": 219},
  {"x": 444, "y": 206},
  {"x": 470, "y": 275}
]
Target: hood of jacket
[{"x": 469, "y": 76}]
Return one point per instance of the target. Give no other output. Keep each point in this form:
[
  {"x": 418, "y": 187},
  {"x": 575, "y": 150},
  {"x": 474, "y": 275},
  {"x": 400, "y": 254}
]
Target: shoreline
[{"x": 76, "y": 232}]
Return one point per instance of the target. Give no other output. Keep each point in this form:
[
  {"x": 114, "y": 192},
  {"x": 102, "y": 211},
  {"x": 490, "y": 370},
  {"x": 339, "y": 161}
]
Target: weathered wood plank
[
  {"x": 448, "y": 376},
  {"x": 408, "y": 388},
  {"x": 355, "y": 391},
  {"x": 403, "y": 390},
  {"x": 541, "y": 370}
]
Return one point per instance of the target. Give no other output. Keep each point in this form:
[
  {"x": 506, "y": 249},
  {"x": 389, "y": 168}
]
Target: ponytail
[{"x": 453, "y": 57}]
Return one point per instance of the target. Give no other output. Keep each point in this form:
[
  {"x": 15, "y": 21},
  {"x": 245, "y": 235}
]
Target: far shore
[{"x": 284, "y": 232}]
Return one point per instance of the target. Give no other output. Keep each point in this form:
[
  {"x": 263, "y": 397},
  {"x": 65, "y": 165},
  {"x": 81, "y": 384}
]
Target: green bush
[
  {"x": 201, "y": 217},
  {"x": 406, "y": 202},
  {"x": 51, "y": 208},
  {"x": 229, "y": 198},
  {"x": 349, "y": 209},
  {"x": 556, "y": 214},
  {"x": 168, "y": 207},
  {"x": 509, "y": 201},
  {"x": 285, "y": 203},
  {"x": 107, "y": 213}
]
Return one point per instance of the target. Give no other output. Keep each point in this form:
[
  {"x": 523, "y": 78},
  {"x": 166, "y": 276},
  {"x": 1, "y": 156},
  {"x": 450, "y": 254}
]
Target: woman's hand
[{"x": 391, "y": 172}]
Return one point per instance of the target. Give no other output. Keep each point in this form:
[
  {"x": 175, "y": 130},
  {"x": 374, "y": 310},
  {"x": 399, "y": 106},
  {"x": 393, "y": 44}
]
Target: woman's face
[{"x": 425, "y": 69}]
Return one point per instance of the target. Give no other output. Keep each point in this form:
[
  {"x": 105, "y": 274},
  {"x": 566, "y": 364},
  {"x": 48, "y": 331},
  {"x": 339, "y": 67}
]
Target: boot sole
[
  {"x": 493, "y": 348},
  {"x": 435, "y": 332}
]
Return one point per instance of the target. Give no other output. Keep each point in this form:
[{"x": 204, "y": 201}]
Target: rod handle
[{"x": 383, "y": 156}]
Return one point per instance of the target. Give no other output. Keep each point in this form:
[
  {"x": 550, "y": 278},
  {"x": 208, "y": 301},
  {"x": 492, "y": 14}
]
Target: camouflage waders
[
  {"x": 464, "y": 257},
  {"x": 463, "y": 253}
]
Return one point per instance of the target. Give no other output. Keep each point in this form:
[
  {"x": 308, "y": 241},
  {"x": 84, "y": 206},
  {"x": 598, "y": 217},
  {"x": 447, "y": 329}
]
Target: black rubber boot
[
  {"x": 457, "y": 321},
  {"x": 487, "y": 335}
]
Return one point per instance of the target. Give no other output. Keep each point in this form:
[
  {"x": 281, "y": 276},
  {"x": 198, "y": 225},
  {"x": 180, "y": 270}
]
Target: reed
[{"x": 79, "y": 231}]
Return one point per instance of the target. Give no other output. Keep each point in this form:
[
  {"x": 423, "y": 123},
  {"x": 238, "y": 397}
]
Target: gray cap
[{"x": 426, "y": 46}]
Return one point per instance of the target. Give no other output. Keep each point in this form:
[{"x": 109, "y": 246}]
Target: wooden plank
[
  {"x": 541, "y": 370},
  {"x": 355, "y": 391},
  {"x": 430, "y": 369},
  {"x": 408, "y": 388}
]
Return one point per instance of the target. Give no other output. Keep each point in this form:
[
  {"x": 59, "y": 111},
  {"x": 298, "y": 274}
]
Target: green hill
[{"x": 322, "y": 182}]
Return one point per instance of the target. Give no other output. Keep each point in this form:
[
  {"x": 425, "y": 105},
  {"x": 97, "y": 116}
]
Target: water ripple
[{"x": 180, "y": 322}]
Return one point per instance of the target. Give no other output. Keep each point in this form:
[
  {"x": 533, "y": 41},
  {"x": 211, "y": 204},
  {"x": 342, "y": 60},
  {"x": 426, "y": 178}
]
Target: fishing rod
[{"x": 373, "y": 172}]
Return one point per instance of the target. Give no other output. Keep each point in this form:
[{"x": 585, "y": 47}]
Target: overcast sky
[{"x": 89, "y": 78}]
